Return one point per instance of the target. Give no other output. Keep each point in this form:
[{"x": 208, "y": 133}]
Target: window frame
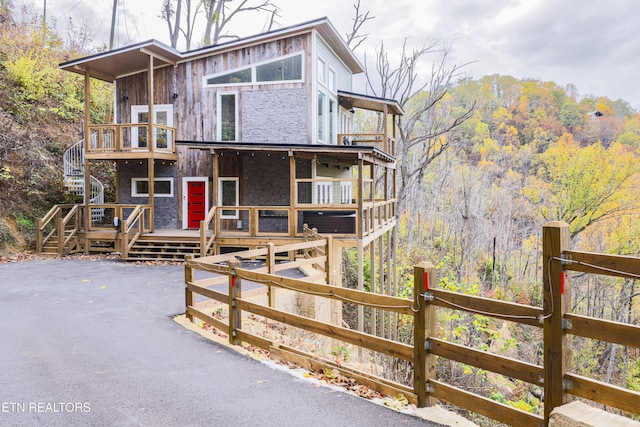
[
  {"x": 170, "y": 180},
  {"x": 254, "y": 81},
  {"x": 221, "y": 181},
  {"x": 326, "y": 98},
  {"x": 219, "y": 96}
]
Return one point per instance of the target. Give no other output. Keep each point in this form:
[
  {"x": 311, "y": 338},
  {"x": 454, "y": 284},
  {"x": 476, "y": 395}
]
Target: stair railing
[
  {"x": 73, "y": 163},
  {"x": 68, "y": 229},
  {"x": 207, "y": 241},
  {"x": 133, "y": 227},
  {"x": 58, "y": 228}
]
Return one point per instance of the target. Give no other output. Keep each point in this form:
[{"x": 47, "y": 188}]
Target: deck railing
[
  {"x": 284, "y": 221},
  {"x": 554, "y": 318},
  {"x": 131, "y": 137},
  {"x": 377, "y": 140},
  {"x": 60, "y": 225}
]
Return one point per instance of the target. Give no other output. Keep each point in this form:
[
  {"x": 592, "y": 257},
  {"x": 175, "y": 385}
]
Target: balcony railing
[
  {"x": 377, "y": 140},
  {"x": 131, "y": 138}
]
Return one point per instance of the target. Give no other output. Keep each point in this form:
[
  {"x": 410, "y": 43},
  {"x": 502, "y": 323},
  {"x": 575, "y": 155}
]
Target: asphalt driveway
[{"x": 94, "y": 343}]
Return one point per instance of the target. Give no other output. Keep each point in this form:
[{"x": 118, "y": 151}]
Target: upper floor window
[
  {"x": 283, "y": 69},
  {"x": 322, "y": 71},
  {"x": 227, "y": 120},
  {"x": 332, "y": 84}
]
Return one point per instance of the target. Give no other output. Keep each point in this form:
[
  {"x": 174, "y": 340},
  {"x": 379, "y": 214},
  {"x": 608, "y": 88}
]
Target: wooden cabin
[{"x": 230, "y": 147}]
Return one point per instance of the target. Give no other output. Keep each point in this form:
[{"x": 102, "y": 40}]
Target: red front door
[{"x": 196, "y": 209}]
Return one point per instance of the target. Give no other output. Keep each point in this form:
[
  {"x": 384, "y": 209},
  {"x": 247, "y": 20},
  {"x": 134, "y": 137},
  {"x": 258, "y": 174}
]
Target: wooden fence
[{"x": 555, "y": 375}]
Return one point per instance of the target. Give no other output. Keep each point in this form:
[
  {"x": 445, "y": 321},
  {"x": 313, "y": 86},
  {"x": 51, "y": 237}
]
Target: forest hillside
[{"x": 41, "y": 112}]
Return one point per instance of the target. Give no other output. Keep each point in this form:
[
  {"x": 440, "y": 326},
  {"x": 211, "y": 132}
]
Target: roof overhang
[
  {"x": 342, "y": 151},
  {"x": 323, "y": 26},
  {"x": 108, "y": 66},
  {"x": 353, "y": 100}
]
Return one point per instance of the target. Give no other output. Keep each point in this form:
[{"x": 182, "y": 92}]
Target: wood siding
[{"x": 195, "y": 108}]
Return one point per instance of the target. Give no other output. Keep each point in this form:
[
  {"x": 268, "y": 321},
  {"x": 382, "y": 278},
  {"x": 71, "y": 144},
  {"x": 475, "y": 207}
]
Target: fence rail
[{"x": 554, "y": 318}]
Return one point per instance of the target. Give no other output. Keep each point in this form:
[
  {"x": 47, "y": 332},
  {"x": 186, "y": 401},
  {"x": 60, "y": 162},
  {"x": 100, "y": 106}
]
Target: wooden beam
[
  {"x": 483, "y": 406},
  {"x": 395, "y": 304},
  {"x": 424, "y": 329},
  {"x": 610, "y": 265},
  {"x": 86, "y": 193},
  {"x": 150, "y": 143},
  {"x": 603, "y": 393},
  {"x": 603, "y": 330},
  {"x": 160, "y": 57},
  {"x": 557, "y": 300},
  {"x": 491, "y": 362},
  {"x": 513, "y": 312},
  {"x": 293, "y": 196},
  {"x": 381, "y": 345}
]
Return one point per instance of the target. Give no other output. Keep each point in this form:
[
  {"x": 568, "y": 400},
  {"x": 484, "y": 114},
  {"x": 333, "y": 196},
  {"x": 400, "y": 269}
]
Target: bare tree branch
[
  {"x": 353, "y": 38},
  {"x": 218, "y": 15},
  {"x": 172, "y": 17}
]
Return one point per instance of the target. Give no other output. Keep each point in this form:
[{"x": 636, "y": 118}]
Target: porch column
[
  {"x": 385, "y": 130},
  {"x": 293, "y": 196},
  {"x": 150, "y": 144},
  {"x": 360, "y": 232},
  {"x": 86, "y": 193},
  {"x": 215, "y": 173}
]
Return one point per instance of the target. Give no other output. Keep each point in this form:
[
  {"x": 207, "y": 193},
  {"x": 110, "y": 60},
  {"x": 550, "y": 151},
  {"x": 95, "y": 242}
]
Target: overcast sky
[{"x": 593, "y": 44}]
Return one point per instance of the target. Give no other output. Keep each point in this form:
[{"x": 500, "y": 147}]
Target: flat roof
[
  {"x": 366, "y": 102},
  {"x": 133, "y": 59}
]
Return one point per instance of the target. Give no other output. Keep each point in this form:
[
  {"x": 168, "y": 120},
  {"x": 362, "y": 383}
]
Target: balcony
[
  {"x": 130, "y": 141},
  {"x": 377, "y": 140}
]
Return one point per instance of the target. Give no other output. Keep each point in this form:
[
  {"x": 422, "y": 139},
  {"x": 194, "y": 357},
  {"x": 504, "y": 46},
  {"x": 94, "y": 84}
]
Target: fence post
[
  {"x": 271, "y": 264},
  {"x": 235, "y": 289},
  {"x": 424, "y": 278},
  {"x": 328, "y": 265},
  {"x": 124, "y": 239},
  {"x": 188, "y": 278},
  {"x": 557, "y": 301}
]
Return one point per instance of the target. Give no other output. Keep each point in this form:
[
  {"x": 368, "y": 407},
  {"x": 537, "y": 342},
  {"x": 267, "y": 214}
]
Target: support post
[
  {"x": 424, "y": 328},
  {"x": 557, "y": 300},
  {"x": 188, "y": 278},
  {"x": 235, "y": 290},
  {"x": 293, "y": 197},
  {"x": 61, "y": 235},
  {"x": 271, "y": 264},
  {"x": 86, "y": 191},
  {"x": 124, "y": 239}
]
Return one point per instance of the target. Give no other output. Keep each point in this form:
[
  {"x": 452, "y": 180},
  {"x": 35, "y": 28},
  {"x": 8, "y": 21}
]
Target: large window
[
  {"x": 327, "y": 103},
  {"x": 322, "y": 116},
  {"x": 227, "y": 117},
  {"x": 234, "y": 77},
  {"x": 163, "y": 187},
  {"x": 283, "y": 69},
  {"x": 228, "y": 195}
]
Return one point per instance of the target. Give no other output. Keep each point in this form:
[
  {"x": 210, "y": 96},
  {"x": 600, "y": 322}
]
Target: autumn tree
[{"x": 583, "y": 185}]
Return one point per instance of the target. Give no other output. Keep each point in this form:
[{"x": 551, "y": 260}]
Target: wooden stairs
[
  {"x": 50, "y": 247},
  {"x": 152, "y": 247}
]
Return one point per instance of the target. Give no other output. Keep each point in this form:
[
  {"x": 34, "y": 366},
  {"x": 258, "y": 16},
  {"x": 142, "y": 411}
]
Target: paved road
[{"x": 93, "y": 343}]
